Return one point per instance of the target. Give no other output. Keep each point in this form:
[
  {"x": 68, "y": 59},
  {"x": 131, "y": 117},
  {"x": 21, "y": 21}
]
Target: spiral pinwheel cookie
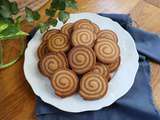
[
  {"x": 102, "y": 39},
  {"x": 96, "y": 28},
  {"x": 52, "y": 62},
  {"x": 81, "y": 59},
  {"x": 64, "y": 82},
  {"x": 67, "y": 29},
  {"x": 83, "y": 37},
  {"x": 108, "y": 34},
  {"x": 107, "y": 51},
  {"x": 47, "y": 35},
  {"x": 58, "y": 43},
  {"x": 83, "y": 23},
  {"x": 102, "y": 70},
  {"x": 113, "y": 66},
  {"x": 92, "y": 86},
  {"x": 42, "y": 50}
]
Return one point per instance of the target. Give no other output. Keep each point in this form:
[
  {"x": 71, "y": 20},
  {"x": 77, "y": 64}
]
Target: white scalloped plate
[{"x": 118, "y": 86}]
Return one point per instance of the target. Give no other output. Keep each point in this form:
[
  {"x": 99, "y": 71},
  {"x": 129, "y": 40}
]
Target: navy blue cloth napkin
[{"x": 137, "y": 104}]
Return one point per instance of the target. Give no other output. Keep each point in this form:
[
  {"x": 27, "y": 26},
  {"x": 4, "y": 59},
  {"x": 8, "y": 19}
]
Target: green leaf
[
  {"x": 5, "y": 12},
  {"x": 43, "y": 27},
  {"x": 9, "y": 20},
  {"x": 12, "y": 36},
  {"x": 14, "y": 8},
  {"x": 17, "y": 21},
  {"x": 3, "y": 26},
  {"x": 63, "y": 16},
  {"x": 54, "y": 3},
  {"x": 31, "y": 15},
  {"x": 8, "y": 8},
  {"x": 71, "y": 4},
  {"x": 18, "y": 34},
  {"x": 58, "y": 4},
  {"x": 50, "y": 12},
  {"x": 11, "y": 32},
  {"x": 6, "y": 20},
  {"x": 61, "y": 5},
  {"x": 52, "y": 22},
  {"x": 5, "y": 3},
  {"x": 36, "y": 15}
]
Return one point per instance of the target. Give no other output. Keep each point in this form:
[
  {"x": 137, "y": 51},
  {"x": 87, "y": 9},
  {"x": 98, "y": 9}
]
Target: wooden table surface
[{"x": 17, "y": 100}]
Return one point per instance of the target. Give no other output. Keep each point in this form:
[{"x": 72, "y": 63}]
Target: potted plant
[{"x": 10, "y": 28}]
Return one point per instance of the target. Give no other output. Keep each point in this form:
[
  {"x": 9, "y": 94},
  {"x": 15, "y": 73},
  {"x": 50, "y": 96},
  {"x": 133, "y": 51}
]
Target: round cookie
[
  {"x": 64, "y": 82},
  {"x": 58, "y": 43},
  {"x": 93, "y": 86},
  {"x": 67, "y": 29},
  {"x": 96, "y": 28},
  {"x": 102, "y": 70},
  {"x": 51, "y": 62},
  {"x": 108, "y": 34},
  {"x": 83, "y": 23},
  {"x": 83, "y": 37},
  {"x": 107, "y": 51},
  {"x": 113, "y": 66},
  {"x": 47, "y": 35},
  {"x": 81, "y": 59},
  {"x": 42, "y": 50}
]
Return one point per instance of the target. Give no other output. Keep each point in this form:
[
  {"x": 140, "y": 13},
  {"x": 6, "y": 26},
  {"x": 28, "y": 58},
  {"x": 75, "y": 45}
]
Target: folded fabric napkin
[{"x": 137, "y": 104}]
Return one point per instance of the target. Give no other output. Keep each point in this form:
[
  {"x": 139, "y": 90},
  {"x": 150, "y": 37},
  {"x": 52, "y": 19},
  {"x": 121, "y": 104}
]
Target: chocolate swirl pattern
[
  {"x": 108, "y": 34},
  {"x": 42, "y": 50},
  {"x": 83, "y": 23},
  {"x": 92, "y": 86},
  {"x": 113, "y": 66},
  {"x": 81, "y": 59},
  {"x": 67, "y": 29},
  {"x": 47, "y": 35},
  {"x": 102, "y": 39},
  {"x": 96, "y": 28},
  {"x": 84, "y": 43},
  {"x": 83, "y": 37},
  {"x": 64, "y": 82},
  {"x": 52, "y": 62},
  {"x": 58, "y": 43},
  {"x": 107, "y": 51},
  {"x": 102, "y": 70}
]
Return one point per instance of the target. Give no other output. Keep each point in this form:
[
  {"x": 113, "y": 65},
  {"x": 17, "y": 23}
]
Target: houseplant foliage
[{"x": 10, "y": 27}]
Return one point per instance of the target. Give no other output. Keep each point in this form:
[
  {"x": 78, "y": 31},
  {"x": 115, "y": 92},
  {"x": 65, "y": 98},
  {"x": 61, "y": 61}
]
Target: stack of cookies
[{"x": 79, "y": 58}]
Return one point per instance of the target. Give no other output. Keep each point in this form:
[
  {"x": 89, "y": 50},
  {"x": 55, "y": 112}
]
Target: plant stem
[
  {"x": 16, "y": 59},
  {"x": 1, "y": 53}
]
